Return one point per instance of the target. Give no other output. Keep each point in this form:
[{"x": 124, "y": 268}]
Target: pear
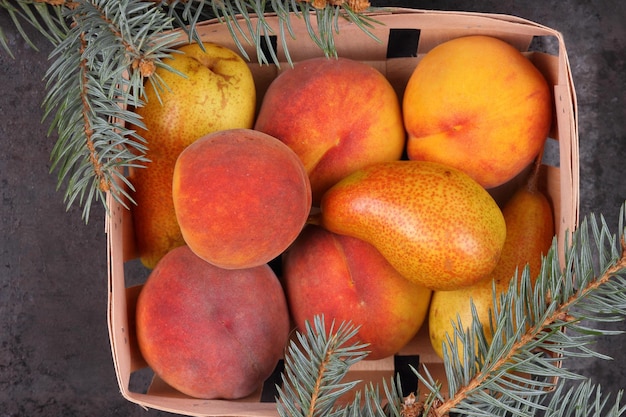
[
  {"x": 530, "y": 230},
  {"x": 438, "y": 227}
]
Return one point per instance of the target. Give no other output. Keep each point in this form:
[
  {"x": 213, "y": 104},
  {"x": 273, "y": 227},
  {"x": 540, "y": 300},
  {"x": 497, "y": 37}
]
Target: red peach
[
  {"x": 338, "y": 115},
  {"x": 241, "y": 197},
  {"x": 211, "y": 332},
  {"x": 347, "y": 279}
]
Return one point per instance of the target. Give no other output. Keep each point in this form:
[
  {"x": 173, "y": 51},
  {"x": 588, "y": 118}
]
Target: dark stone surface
[{"x": 55, "y": 357}]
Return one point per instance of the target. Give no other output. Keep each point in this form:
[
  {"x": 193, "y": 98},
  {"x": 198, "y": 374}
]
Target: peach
[
  {"x": 477, "y": 104},
  {"x": 241, "y": 197},
  {"x": 210, "y": 332},
  {"x": 338, "y": 115},
  {"x": 347, "y": 279}
]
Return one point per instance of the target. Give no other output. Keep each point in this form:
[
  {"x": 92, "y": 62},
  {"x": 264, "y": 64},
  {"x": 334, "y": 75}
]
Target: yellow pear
[
  {"x": 434, "y": 224},
  {"x": 530, "y": 229},
  {"x": 217, "y": 93}
]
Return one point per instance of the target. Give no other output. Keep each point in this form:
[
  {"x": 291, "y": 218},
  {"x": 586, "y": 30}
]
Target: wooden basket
[{"x": 405, "y": 36}]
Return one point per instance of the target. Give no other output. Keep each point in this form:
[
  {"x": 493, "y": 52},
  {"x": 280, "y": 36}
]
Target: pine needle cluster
[
  {"x": 537, "y": 331},
  {"x": 94, "y": 82},
  {"x": 48, "y": 21},
  {"x": 104, "y": 50}
]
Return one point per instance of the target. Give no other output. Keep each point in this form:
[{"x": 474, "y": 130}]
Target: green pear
[{"x": 434, "y": 224}]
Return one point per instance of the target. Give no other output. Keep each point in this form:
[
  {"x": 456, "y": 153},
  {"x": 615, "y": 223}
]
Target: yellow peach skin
[{"x": 477, "y": 104}]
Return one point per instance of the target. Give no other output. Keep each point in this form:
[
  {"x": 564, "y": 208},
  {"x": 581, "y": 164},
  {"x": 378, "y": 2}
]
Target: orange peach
[
  {"x": 338, "y": 115},
  {"x": 347, "y": 279},
  {"x": 241, "y": 197},
  {"x": 210, "y": 332},
  {"x": 477, "y": 104}
]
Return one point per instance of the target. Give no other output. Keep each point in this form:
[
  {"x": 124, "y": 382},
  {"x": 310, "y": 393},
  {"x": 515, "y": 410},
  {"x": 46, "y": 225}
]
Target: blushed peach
[
  {"x": 241, "y": 197},
  {"x": 477, "y": 104},
  {"x": 347, "y": 279},
  {"x": 211, "y": 332},
  {"x": 337, "y": 115}
]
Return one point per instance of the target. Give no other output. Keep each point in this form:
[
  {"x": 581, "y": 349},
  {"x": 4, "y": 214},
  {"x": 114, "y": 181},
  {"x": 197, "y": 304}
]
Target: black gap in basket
[
  {"x": 402, "y": 43},
  {"x": 546, "y": 44},
  {"x": 277, "y": 266},
  {"x": 269, "y": 392},
  {"x": 403, "y": 366},
  {"x": 269, "y": 44},
  {"x": 551, "y": 153}
]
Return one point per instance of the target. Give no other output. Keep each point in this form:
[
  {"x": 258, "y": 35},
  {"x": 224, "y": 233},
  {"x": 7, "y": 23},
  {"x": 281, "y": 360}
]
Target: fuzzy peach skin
[
  {"x": 347, "y": 279},
  {"x": 477, "y": 104},
  {"x": 241, "y": 197},
  {"x": 210, "y": 332},
  {"x": 338, "y": 115}
]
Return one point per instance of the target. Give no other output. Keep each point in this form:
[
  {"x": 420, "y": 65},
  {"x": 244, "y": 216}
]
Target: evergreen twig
[
  {"x": 584, "y": 399},
  {"x": 238, "y": 16},
  {"x": 46, "y": 19},
  {"x": 104, "y": 54},
  {"x": 314, "y": 367},
  {"x": 536, "y": 331},
  {"x": 96, "y": 78}
]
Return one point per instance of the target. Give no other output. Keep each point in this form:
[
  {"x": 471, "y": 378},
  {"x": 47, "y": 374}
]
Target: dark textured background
[{"x": 55, "y": 357}]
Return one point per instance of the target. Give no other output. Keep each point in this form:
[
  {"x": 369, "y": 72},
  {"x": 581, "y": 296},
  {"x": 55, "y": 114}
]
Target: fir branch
[
  {"x": 327, "y": 16},
  {"x": 48, "y": 20},
  {"x": 314, "y": 366},
  {"x": 536, "y": 331},
  {"x": 539, "y": 328},
  {"x": 95, "y": 81},
  {"x": 584, "y": 400},
  {"x": 367, "y": 403},
  {"x": 238, "y": 14}
]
